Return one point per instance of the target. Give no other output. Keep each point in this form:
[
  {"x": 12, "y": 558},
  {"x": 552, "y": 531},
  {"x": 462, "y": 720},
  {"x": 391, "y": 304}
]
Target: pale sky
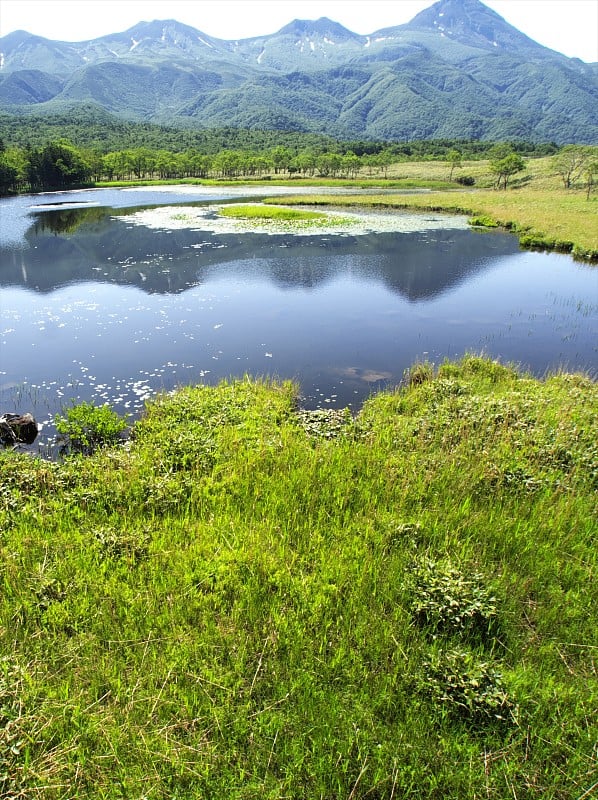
[{"x": 568, "y": 26}]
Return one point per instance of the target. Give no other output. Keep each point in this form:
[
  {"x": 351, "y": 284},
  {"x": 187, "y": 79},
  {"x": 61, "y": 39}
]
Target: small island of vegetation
[{"x": 279, "y": 218}]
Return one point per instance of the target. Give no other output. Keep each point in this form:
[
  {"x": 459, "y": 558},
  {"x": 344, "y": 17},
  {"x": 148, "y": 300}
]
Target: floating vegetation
[
  {"x": 259, "y": 211},
  {"x": 325, "y": 423},
  {"x": 282, "y": 219},
  {"x": 257, "y": 217}
]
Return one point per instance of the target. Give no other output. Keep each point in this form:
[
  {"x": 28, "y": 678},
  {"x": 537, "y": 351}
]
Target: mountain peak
[
  {"x": 322, "y": 27},
  {"x": 470, "y": 22},
  {"x": 161, "y": 29}
]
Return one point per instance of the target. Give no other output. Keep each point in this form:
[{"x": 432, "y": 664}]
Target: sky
[{"x": 568, "y": 26}]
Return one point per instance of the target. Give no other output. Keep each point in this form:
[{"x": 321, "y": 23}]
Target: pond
[{"x": 113, "y": 295}]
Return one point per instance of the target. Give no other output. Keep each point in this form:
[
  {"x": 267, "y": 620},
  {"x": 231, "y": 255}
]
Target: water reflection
[
  {"x": 97, "y": 308},
  {"x": 77, "y": 245}
]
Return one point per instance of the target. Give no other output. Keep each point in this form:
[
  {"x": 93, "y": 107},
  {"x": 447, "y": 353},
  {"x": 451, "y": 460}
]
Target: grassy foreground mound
[{"x": 250, "y": 602}]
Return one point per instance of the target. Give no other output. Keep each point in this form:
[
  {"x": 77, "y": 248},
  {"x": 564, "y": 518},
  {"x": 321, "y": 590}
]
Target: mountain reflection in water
[
  {"x": 78, "y": 245},
  {"x": 97, "y": 308}
]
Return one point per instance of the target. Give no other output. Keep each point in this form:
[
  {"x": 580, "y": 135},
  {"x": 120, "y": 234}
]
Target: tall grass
[{"x": 242, "y": 602}]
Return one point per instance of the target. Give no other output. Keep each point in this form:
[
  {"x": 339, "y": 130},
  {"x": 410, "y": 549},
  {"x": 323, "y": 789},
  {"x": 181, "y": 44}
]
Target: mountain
[{"x": 457, "y": 70}]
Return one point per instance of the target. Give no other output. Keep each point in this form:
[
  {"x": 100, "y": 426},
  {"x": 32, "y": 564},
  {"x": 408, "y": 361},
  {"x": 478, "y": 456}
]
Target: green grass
[
  {"x": 264, "y": 212},
  {"x": 269, "y": 212},
  {"x": 557, "y": 220},
  {"x": 360, "y": 183},
  {"x": 244, "y": 601},
  {"x": 280, "y": 219}
]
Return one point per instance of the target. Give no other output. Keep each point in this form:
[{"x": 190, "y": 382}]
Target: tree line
[{"x": 60, "y": 164}]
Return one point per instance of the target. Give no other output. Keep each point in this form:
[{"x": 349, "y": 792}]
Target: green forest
[{"x": 64, "y": 152}]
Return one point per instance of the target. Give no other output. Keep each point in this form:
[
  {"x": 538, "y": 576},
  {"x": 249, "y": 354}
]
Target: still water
[{"x": 104, "y": 300}]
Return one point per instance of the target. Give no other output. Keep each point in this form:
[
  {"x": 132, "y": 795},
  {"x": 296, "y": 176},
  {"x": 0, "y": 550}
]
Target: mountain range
[{"x": 458, "y": 71}]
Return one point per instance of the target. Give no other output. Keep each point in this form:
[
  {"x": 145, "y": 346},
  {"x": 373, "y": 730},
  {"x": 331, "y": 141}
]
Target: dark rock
[{"x": 17, "y": 429}]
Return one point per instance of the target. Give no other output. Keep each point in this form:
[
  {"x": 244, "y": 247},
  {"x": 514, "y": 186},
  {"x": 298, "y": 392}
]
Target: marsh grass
[
  {"x": 236, "y": 604},
  {"x": 363, "y": 182},
  {"x": 557, "y": 220},
  {"x": 264, "y": 212},
  {"x": 266, "y": 215}
]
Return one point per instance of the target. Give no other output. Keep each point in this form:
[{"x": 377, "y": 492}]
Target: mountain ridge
[{"x": 457, "y": 69}]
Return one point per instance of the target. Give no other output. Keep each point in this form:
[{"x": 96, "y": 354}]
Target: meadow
[{"x": 242, "y": 599}]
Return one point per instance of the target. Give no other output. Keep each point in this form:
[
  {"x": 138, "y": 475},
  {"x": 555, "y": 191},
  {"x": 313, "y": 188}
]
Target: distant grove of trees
[{"x": 59, "y": 164}]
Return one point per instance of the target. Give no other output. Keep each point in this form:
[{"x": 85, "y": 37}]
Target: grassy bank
[
  {"x": 245, "y": 601},
  {"x": 360, "y": 183},
  {"x": 553, "y": 220}
]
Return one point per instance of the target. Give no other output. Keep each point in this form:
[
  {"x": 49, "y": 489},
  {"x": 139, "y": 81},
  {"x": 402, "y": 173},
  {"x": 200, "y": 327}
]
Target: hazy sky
[{"x": 569, "y": 26}]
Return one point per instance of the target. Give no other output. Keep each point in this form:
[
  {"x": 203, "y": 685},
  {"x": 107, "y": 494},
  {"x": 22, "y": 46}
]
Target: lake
[{"x": 113, "y": 295}]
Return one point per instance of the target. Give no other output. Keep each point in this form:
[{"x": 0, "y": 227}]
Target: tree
[
  {"x": 329, "y": 164},
  {"x": 351, "y": 164},
  {"x": 165, "y": 164},
  {"x": 143, "y": 161},
  {"x": 13, "y": 164},
  {"x": 454, "y": 159},
  {"x": 499, "y": 151},
  {"x": 57, "y": 165},
  {"x": 281, "y": 158},
  {"x": 569, "y": 164},
  {"x": 95, "y": 162},
  {"x": 591, "y": 176},
  {"x": 306, "y": 162},
  {"x": 8, "y": 177},
  {"x": 117, "y": 165},
  {"x": 384, "y": 159},
  {"x": 505, "y": 167}
]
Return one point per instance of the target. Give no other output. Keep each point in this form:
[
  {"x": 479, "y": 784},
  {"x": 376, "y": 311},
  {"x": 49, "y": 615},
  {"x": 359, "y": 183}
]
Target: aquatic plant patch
[
  {"x": 262, "y": 218},
  {"x": 258, "y": 211}
]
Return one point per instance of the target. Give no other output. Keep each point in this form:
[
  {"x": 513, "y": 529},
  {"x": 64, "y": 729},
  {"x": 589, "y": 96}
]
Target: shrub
[
  {"x": 483, "y": 221},
  {"x": 449, "y": 601},
  {"x": 467, "y": 687},
  {"x": 86, "y": 427},
  {"x": 466, "y": 180}
]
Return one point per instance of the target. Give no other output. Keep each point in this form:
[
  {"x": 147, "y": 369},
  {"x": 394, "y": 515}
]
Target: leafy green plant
[
  {"x": 468, "y": 687},
  {"x": 483, "y": 221},
  {"x": 325, "y": 423},
  {"x": 116, "y": 543},
  {"x": 86, "y": 427},
  {"x": 447, "y": 600}
]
